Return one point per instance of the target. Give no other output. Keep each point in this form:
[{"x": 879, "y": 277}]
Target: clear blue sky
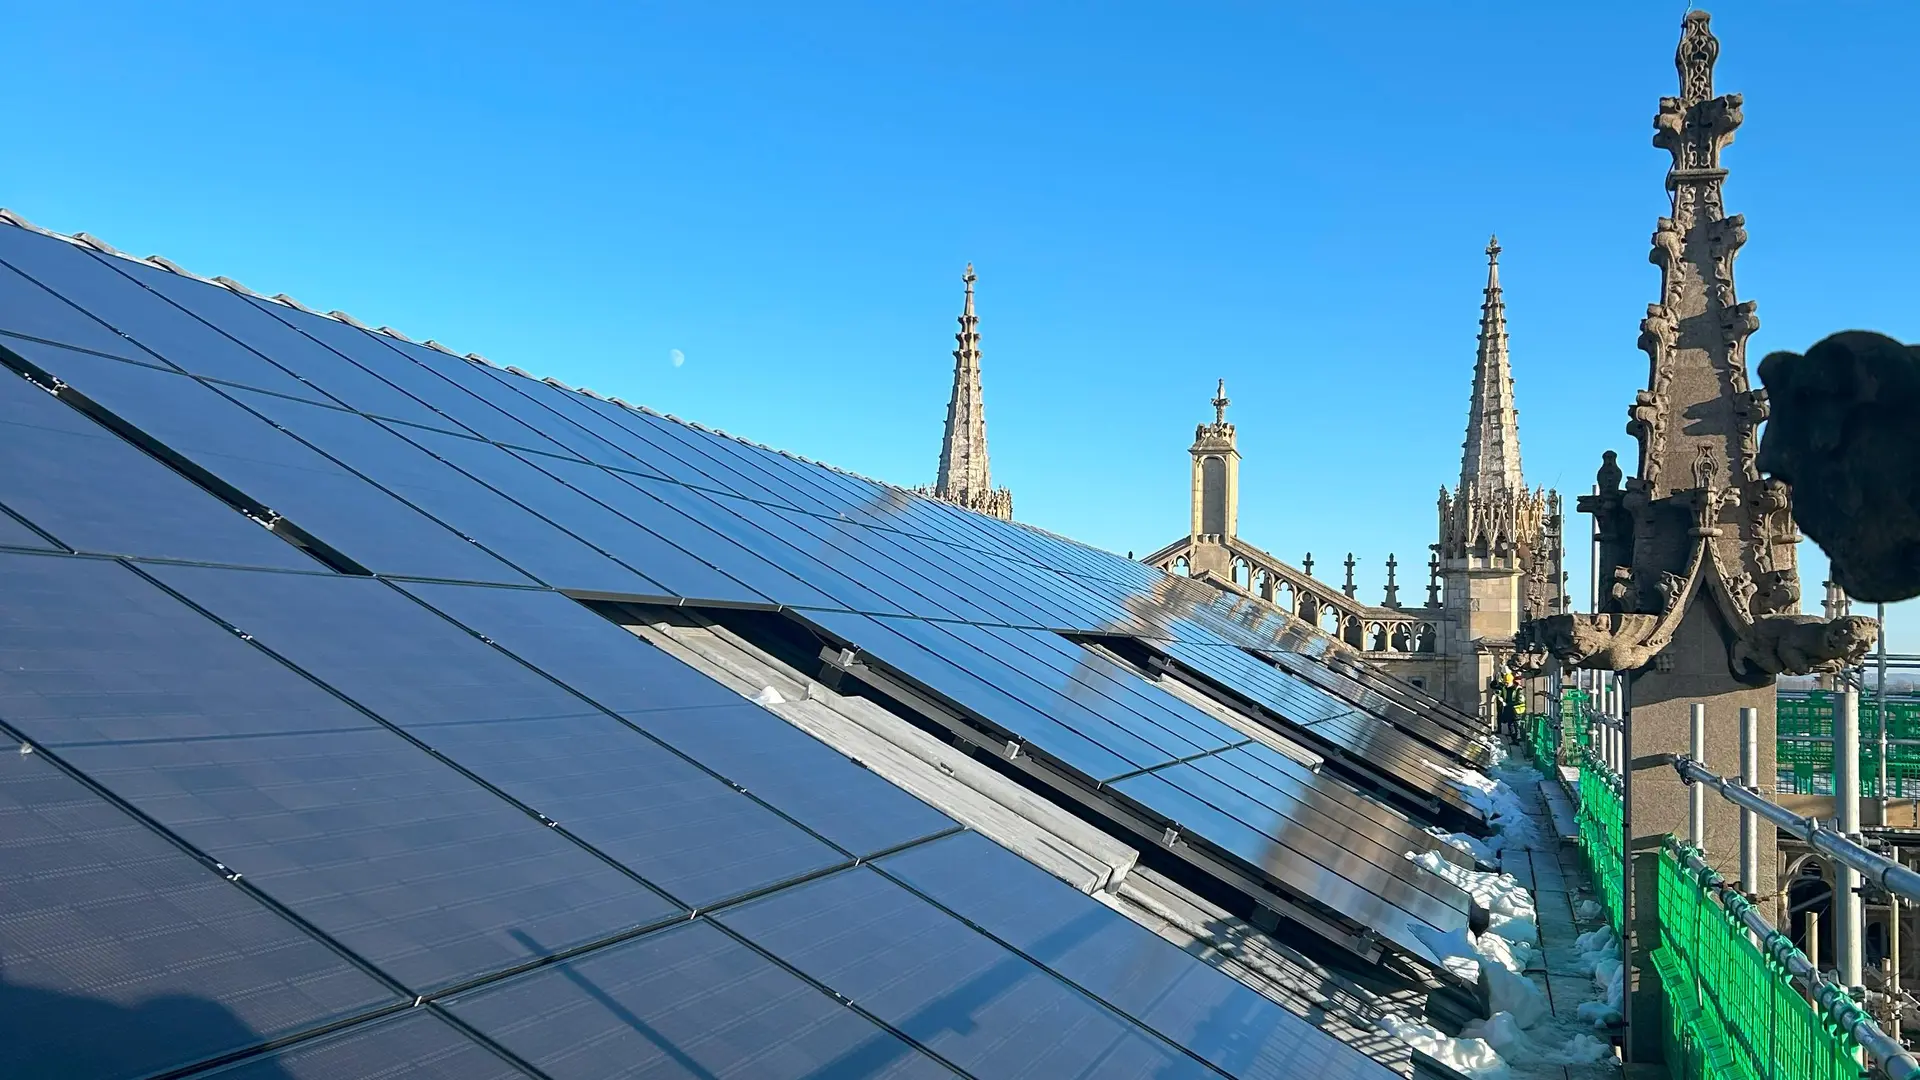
[{"x": 1294, "y": 197}]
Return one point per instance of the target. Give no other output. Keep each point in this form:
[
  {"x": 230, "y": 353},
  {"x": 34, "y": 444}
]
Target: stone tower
[
  {"x": 964, "y": 478},
  {"x": 1499, "y": 550},
  {"x": 1700, "y": 594},
  {"x": 1216, "y": 491}
]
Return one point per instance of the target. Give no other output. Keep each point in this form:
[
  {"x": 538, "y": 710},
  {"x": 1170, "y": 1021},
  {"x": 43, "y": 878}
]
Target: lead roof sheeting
[{"x": 1122, "y": 963}]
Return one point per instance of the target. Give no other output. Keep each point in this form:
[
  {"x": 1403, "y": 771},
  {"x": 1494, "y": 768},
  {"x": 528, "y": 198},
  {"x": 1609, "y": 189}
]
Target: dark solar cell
[
  {"x": 777, "y": 762},
  {"x": 125, "y": 957},
  {"x": 307, "y": 359},
  {"x": 13, "y": 533},
  {"x": 372, "y": 352},
  {"x": 522, "y": 480},
  {"x": 97, "y": 493},
  {"x": 429, "y": 876},
  {"x": 510, "y": 531},
  {"x": 980, "y": 698},
  {"x": 415, "y": 1045},
  {"x": 947, "y": 986},
  {"x": 1297, "y": 872},
  {"x": 571, "y": 643},
  {"x": 602, "y": 781},
  {"x": 29, "y": 310},
  {"x": 686, "y": 565},
  {"x": 598, "y": 438},
  {"x": 687, "y": 1003},
  {"x": 241, "y": 450},
  {"x": 1123, "y": 963},
  {"x": 807, "y": 581},
  {"x": 87, "y": 281},
  {"x": 806, "y": 778},
  {"x": 91, "y": 651}
]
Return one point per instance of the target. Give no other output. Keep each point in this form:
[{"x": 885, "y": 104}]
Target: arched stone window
[{"x": 1213, "y": 496}]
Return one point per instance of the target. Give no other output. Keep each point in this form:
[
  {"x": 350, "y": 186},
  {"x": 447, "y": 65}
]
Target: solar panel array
[{"x": 325, "y": 769}]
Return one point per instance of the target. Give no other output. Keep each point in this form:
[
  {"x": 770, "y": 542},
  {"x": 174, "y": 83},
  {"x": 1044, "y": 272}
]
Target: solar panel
[
  {"x": 86, "y": 486},
  {"x": 1362, "y": 743},
  {"x": 15, "y": 533},
  {"x": 418, "y": 1043},
  {"x": 125, "y": 956},
  {"x": 1165, "y": 766},
  {"x": 1122, "y": 963},
  {"x": 138, "y": 314},
  {"x": 790, "y": 770},
  {"x": 363, "y": 834},
  {"x": 459, "y": 783},
  {"x": 374, "y": 353},
  {"x": 246, "y": 455},
  {"x": 688, "y": 1002},
  {"x": 528, "y": 542},
  {"x": 675, "y": 825},
  {"x": 949, "y": 988}
]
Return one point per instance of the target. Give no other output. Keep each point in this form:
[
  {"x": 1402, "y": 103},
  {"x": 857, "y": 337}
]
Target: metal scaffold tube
[
  {"x": 1882, "y": 872},
  {"x": 1749, "y": 821},
  {"x": 1849, "y": 916},
  {"x": 1839, "y": 1005}
]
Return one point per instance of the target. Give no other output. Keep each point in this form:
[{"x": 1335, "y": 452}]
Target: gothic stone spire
[
  {"x": 1697, "y": 421},
  {"x": 964, "y": 477},
  {"x": 1492, "y": 459}
]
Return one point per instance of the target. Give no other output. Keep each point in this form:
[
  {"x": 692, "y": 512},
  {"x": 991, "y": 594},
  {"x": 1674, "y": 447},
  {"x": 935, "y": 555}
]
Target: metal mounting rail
[
  {"x": 1890, "y": 876},
  {"x": 1894, "y": 1059}
]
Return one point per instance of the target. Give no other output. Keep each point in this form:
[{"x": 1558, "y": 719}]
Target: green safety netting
[
  {"x": 1805, "y": 744},
  {"x": 1732, "y": 1012}
]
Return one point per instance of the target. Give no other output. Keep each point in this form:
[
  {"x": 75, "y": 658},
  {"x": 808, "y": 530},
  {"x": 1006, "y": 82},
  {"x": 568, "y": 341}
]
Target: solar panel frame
[
  {"x": 144, "y": 317},
  {"x": 1142, "y": 975},
  {"x": 374, "y": 353},
  {"x": 689, "y": 1001},
  {"x": 602, "y": 781},
  {"x": 250, "y": 463},
  {"x": 418, "y": 1043},
  {"x": 504, "y": 528},
  {"x": 953, "y": 990},
  {"x": 78, "y": 482}
]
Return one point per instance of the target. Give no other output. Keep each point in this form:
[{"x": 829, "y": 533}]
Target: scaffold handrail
[{"x": 1881, "y": 871}]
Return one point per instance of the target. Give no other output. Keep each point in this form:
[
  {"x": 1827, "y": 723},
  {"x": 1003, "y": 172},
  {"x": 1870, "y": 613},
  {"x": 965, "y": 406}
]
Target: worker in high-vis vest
[{"x": 1510, "y": 698}]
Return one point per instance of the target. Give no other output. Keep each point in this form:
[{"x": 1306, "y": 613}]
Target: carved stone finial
[
  {"x": 1349, "y": 588},
  {"x": 1220, "y": 403},
  {"x": 1433, "y": 578},
  {"x": 1609, "y": 475},
  {"x": 1393, "y": 588},
  {"x": 1307, "y": 564}
]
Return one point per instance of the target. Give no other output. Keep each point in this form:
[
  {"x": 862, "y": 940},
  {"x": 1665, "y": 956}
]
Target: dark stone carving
[
  {"x": 1843, "y": 433},
  {"x": 1803, "y": 644}
]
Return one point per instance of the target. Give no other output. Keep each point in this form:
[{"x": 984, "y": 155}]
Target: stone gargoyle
[
  {"x": 1605, "y": 642},
  {"x": 1842, "y": 432},
  {"x": 1803, "y": 644}
]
